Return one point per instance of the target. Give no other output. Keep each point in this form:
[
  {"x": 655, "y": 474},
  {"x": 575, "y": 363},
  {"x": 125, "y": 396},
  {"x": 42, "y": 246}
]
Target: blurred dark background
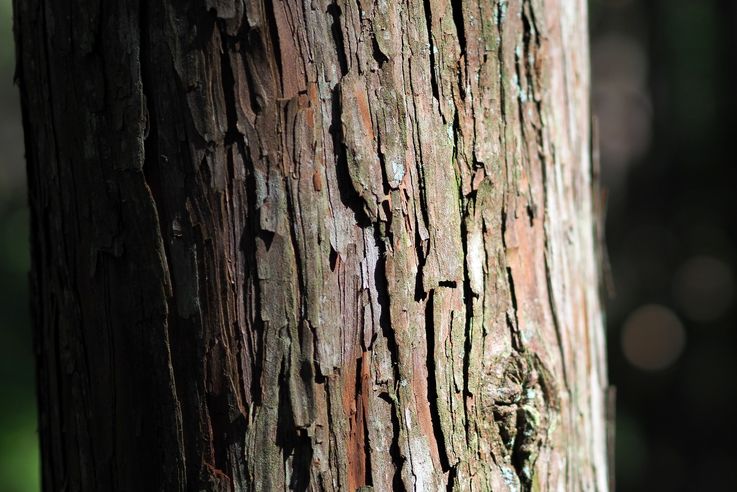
[{"x": 665, "y": 94}]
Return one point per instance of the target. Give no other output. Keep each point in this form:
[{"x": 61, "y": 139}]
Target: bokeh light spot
[{"x": 652, "y": 337}]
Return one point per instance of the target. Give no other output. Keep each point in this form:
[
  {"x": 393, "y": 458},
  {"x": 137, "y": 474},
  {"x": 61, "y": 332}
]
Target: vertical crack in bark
[
  {"x": 431, "y": 45},
  {"x": 248, "y": 246},
  {"x": 229, "y": 433},
  {"x": 227, "y": 46},
  {"x": 525, "y": 70},
  {"x": 420, "y": 293},
  {"x": 348, "y": 194},
  {"x": 468, "y": 297},
  {"x": 467, "y": 202},
  {"x": 500, "y": 12},
  {"x": 424, "y": 209},
  {"x": 363, "y": 458},
  {"x": 556, "y": 315},
  {"x": 457, "y": 10},
  {"x": 376, "y": 52},
  {"x": 359, "y": 464},
  {"x": 513, "y": 324},
  {"x": 354, "y": 202},
  {"x": 294, "y": 442},
  {"x": 252, "y": 48},
  {"x": 382, "y": 289},
  {"x": 432, "y": 389},
  {"x": 366, "y": 443},
  {"x": 397, "y": 459},
  {"x": 305, "y": 372},
  {"x": 150, "y": 157},
  {"x": 218, "y": 419},
  {"x": 386, "y": 188},
  {"x": 273, "y": 32},
  {"x": 337, "y": 32},
  {"x": 234, "y": 142},
  {"x": 150, "y": 138}
]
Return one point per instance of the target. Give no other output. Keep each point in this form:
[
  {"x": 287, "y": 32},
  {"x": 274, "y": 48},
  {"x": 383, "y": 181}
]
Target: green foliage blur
[{"x": 19, "y": 461}]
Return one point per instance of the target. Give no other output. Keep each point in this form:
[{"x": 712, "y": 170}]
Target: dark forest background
[{"x": 665, "y": 94}]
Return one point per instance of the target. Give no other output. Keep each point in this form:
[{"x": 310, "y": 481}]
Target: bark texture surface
[{"x": 313, "y": 245}]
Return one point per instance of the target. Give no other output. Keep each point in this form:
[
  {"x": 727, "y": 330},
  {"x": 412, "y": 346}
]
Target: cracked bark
[{"x": 313, "y": 245}]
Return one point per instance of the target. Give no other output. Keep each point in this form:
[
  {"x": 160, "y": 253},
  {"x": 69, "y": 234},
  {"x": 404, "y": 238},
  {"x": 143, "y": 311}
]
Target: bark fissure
[
  {"x": 382, "y": 292},
  {"x": 431, "y": 48},
  {"x": 432, "y": 391},
  {"x": 274, "y": 37},
  {"x": 337, "y": 33},
  {"x": 457, "y": 14}
]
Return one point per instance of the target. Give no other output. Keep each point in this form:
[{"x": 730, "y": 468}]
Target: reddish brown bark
[{"x": 313, "y": 245}]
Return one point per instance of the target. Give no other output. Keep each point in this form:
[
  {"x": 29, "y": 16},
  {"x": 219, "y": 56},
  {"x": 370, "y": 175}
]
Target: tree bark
[{"x": 317, "y": 245}]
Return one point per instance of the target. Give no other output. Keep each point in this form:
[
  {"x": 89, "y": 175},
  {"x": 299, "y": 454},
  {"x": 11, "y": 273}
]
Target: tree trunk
[{"x": 313, "y": 245}]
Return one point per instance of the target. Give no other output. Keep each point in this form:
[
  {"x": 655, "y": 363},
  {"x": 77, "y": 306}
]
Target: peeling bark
[{"x": 324, "y": 245}]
